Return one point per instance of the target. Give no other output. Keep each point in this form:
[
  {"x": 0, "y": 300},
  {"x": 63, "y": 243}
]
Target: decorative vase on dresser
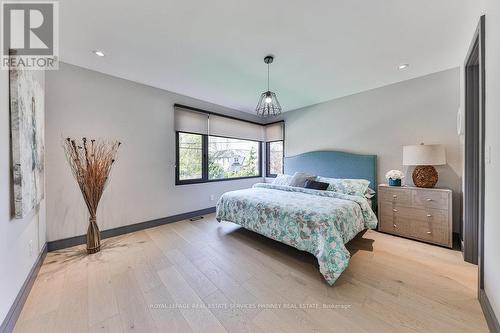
[
  {"x": 394, "y": 182},
  {"x": 417, "y": 213}
]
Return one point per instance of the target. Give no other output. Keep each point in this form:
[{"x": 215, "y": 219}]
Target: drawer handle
[
  {"x": 429, "y": 232},
  {"x": 394, "y": 210},
  {"x": 429, "y": 199},
  {"x": 394, "y": 196},
  {"x": 429, "y": 215},
  {"x": 395, "y": 226}
]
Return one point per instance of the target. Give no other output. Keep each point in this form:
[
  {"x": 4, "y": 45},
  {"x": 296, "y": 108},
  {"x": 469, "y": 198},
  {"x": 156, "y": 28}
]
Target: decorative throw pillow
[
  {"x": 299, "y": 179},
  {"x": 282, "y": 179},
  {"x": 347, "y": 186},
  {"x": 369, "y": 193},
  {"x": 312, "y": 184},
  {"x": 326, "y": 180}
]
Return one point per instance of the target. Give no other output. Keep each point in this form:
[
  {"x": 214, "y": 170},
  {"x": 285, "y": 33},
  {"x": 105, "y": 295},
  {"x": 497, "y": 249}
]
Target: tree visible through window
[
  {"x": 190, "y": 156},
  {"x": 232, "y": 158},
  {"x": 275, "y": 158},
  {"x": 224, "y": 158}
]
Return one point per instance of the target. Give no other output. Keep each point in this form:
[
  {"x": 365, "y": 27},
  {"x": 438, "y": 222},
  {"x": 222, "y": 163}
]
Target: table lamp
[{"x": 424, "y": 157}]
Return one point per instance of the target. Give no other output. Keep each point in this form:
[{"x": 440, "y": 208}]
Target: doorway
[{"x": 474, "y": 152}]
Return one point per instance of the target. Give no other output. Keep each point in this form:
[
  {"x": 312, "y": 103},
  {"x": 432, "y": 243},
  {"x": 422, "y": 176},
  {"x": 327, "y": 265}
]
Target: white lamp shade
[{"x": 424, "y": 155}]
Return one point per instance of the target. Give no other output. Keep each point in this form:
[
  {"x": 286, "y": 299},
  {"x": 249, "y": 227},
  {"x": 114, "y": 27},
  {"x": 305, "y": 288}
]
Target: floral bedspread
[{"x": 319, "y": 222}]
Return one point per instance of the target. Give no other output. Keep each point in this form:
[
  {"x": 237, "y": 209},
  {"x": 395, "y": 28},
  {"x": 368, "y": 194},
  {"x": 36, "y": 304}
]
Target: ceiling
[{"x": 214, "y": 50}]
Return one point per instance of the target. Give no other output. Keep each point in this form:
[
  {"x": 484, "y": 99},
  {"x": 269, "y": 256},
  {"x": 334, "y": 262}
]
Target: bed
[{"x": 318, "y": 222}]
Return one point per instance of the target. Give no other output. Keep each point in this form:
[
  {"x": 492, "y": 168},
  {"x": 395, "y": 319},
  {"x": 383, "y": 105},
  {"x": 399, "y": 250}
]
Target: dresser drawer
[
  {"x": 426, "y": 224},
  {"x": 396, "y": 196},
  {"x": 388, "y": 223},
  {"x": 420, "y": 214},
  {"x": 430, "y": 199},
  {"x": 392, "y": 221},
  {"x": 430, "y": 232}
]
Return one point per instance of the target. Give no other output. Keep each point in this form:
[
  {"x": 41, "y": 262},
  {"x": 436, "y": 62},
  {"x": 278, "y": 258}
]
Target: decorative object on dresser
[
  {"x": 424, "y": 157},
  {"x": 91, "y": 162},
  {"x": 394, "y": 177},
  {"x": 422, "y": 214}
]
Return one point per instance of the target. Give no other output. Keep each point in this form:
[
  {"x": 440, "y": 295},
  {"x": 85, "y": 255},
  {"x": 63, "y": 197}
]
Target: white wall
[
  {"x": 492, "y": 169},
  {"x": 80, "y": 103},
  {"x": 382, "y": 120},
  {"x": 15, "y": 234}
]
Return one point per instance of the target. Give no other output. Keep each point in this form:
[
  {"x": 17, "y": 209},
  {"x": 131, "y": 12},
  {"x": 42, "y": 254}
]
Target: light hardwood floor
[{"x": 208, "y": 277}]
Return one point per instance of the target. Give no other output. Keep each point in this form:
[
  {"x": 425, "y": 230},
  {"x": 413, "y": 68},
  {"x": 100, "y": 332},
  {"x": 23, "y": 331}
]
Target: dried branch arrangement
[{"x": 91, "y": 162}]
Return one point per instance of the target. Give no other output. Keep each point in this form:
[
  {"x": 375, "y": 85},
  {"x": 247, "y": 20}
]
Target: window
[
  {"x": 275, "y": 136},
  {"x": 274, "y": 158},
  {"x": 214, "y": 147},
  {"x": 203, "y": 158},
  {"x": 232, "y": 158},
  {"x": 190, "y": 156}
]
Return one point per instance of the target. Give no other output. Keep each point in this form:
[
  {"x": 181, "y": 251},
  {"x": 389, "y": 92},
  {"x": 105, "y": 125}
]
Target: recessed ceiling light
[
  {"x": 98, "y": 53},
  {"x": 403, "y": 66}
]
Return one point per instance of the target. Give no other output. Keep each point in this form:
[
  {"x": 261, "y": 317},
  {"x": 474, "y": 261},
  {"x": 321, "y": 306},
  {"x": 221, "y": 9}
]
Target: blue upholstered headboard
[{"x": 335, "y": 164}]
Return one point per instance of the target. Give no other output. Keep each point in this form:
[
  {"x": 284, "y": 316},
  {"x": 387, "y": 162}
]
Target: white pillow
[
  {"x": 282, "y": 179},
  {"x": 299, "y": 179},
  {"x": 347, "y": 186}
]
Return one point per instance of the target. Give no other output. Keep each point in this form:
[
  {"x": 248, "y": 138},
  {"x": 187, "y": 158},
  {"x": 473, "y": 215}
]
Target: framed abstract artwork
[{"x": 27, "y": 93}]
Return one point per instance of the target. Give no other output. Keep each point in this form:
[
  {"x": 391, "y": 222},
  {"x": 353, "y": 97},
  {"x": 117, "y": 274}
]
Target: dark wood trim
[
  {"x": 260, "y": 159},
  {"x": 15, "y": 310},
  {"x": 274, "y": 122},
  {"x": 202, "y": 181},
  {"x": 78, "y": 240},
  {"x": 473, "y": 237},
  {"x": 481, "y": 30},
  {"x": 472, "y": 166},
  {"x": 216, "y": 114},
  {"x": 204, "y": 158},
  {"x": 489, "y": 314}
]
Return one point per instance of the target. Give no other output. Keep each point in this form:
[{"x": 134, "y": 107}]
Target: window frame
[
  {"x": 268, "y": 158},
  {"x": 204, "y": 162}
]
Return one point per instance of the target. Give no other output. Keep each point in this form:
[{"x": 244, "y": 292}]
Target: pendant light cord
[{"x": 267, "y": 76}]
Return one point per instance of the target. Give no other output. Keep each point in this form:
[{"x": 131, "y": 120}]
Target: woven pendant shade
[{"x": 268, "y": 105}]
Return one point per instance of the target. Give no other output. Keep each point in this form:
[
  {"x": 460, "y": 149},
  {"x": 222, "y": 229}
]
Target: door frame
[{"x": 474, "y": 71}]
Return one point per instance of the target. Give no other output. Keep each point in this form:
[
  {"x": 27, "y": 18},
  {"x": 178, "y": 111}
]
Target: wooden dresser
[{"x": 418, "y": 213}]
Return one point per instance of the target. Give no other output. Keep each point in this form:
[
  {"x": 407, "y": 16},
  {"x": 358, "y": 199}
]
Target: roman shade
[
  {"x": 274, "y": 132},
  {"x": 191, "y": 121},
  {"x": 233, "y": 128},
  {"x": 207, "y": 123}
]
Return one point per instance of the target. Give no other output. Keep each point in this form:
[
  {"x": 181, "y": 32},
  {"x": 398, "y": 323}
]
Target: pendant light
[{"x": 268, "y": 105}]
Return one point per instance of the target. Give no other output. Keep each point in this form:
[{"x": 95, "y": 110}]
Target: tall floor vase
[
  {"x": 93, "y": 236},
  {"x": 91, "y": 162}
]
